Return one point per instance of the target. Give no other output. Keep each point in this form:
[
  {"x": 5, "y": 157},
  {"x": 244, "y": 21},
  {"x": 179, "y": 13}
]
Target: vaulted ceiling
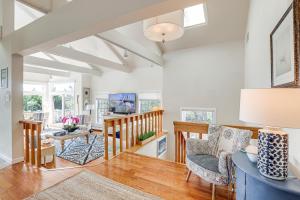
[
  {"x": 226, "y": 22},
  {"x": 45, "y": 6}
]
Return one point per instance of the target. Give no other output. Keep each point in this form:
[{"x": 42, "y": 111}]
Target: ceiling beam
[
  {"x": 40, "y": 70},
  {"x": 31, "y": 60},
  {"x": 122, "y": 41},
  {"x": 114, "y": 50},
  {"x": 87, "y": 58},
  {"x": 34, "y": 6},
  {"x": 79, "y": 19}
]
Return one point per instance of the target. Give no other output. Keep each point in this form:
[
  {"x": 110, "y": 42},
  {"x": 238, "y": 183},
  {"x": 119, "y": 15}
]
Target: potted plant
[
  {"x": 147, "y": 137},
  {"x": 70, "y": 123}
]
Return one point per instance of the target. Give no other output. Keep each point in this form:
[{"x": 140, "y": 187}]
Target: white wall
[
  {"x": 11, "y": 139},
  {"x": 263, "y": 17},
  {"x": 208, "y": 76},
  {"x": 145, "y": 78},
  {"x": 140, "y": 80}
]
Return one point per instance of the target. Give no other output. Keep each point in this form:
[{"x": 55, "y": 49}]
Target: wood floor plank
[{"x": 162, "y": 178}]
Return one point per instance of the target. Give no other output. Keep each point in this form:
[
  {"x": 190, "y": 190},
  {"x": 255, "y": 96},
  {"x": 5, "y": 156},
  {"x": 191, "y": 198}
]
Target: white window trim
[
  {"x": 199, "y": 109},
  {"x": 97, "y": 98}
]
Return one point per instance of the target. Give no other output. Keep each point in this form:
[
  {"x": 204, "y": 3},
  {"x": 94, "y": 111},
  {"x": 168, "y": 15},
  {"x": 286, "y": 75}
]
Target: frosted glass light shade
[
  {"x": 164, "y": 27},
  {"x": 271, "y": 107}
]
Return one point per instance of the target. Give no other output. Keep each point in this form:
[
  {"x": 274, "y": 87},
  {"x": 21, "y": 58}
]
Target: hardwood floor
[{"x": 162, "y": 178}]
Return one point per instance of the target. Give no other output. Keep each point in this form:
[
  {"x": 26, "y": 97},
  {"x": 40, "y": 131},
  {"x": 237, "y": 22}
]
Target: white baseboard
[
  {"x": 18, "y": 160},
  {"x": 5, "y": 158},
  {"x": 11, "y": 161}
]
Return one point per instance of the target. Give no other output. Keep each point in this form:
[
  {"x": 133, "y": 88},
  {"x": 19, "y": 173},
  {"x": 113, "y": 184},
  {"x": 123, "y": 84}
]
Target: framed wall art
[
  {"x": 285, "y": 49},
  {"x": 4, "y": 78},
  {"x": 86, "y": 97}
]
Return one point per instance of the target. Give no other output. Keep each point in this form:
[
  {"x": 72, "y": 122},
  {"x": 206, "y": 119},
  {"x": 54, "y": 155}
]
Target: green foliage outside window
[
  {"x": 57, "y": 101},
  {"x": 33, "y": 103}
]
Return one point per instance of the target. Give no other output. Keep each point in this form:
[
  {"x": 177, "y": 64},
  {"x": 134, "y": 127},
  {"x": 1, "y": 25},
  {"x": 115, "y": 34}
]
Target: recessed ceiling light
[{"x": 194, "y": 15}]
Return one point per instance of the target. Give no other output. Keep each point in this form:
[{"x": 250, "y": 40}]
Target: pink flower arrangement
[
  {"x": 70, "y": 120},
  {"x": 75, "y": 120}
]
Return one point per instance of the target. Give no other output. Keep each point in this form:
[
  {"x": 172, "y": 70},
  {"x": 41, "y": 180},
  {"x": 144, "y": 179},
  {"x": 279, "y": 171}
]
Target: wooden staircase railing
[
  {"x": 183, "y": 130},
  {"x": 130, "y": 126},
  {"x": 32, "y": 142}
]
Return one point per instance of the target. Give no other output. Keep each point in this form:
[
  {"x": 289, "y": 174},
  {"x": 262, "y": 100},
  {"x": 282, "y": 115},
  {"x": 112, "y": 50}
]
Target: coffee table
[{"x": 73, "y": 135}]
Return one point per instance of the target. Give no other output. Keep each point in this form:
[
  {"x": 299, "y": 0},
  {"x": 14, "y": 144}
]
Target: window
[
  {"x": 69, "y": 105},
  {"x": 33, "y": 99},
  {"x": 33, "y": 103},
  {"x": 63, "y": 100},
  {"x": 147, "y": 101},
  {"x": 58, "y": 108},
  {"x": 102, "y": 108},
  {"x": 199, "y": 115},
  {"x": 194, "y": 15},
  {"x": 146, "y": 105}
]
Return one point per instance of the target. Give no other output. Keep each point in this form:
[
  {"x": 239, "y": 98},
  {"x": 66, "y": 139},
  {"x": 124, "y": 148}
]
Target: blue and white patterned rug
[{"x": 79, "y": 152}]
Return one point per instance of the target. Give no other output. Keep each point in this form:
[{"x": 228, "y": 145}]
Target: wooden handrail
[
  {"x": 130, "y": 127},
  {"x": 182, "y": 131},
  {"x": 32, "y": 141}
]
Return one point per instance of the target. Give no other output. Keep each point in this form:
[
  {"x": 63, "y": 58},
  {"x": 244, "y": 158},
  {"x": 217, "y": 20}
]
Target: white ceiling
[
  {"x": 45, "y": 5},
  {"x": 226, "y": 21}
]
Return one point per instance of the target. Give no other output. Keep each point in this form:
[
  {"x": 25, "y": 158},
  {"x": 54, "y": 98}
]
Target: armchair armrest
[
  {"x": 225, "y": 163},
  {"x": 197, "y": 146}
]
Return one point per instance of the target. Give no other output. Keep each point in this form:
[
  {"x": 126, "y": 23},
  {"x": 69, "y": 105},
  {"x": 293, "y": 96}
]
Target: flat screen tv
[{"x": 122, "y": 103}]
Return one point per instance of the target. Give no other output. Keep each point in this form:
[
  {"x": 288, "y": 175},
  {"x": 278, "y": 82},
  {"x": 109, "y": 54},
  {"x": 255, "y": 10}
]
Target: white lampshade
[
  {"x": 165, "y": 27},
  {"x": 271, "y": 107}
]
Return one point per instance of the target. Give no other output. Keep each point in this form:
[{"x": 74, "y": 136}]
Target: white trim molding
[
  {"x": 201, "y": 109},
  {"x": 11, "y": 161}
]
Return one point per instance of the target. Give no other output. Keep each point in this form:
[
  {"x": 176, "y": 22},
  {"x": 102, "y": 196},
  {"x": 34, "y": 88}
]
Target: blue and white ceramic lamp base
[{"x": 272, "y": 160}]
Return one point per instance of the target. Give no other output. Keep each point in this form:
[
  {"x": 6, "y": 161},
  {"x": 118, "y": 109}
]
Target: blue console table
[{"x": 251, "y": 185}]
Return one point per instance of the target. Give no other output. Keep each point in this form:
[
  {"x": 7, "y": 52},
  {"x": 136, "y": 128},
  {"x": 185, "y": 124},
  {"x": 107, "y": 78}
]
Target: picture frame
[
  {"x": 285, "y": 49},
  {"x": 86, "y": 100},
  {"x": 4, "y": 77}
]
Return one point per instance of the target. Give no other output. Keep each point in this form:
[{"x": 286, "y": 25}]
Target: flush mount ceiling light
[{"x": 165, "y": 27}]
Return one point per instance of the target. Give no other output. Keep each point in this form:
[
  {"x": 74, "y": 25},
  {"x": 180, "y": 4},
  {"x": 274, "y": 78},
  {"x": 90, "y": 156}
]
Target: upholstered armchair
[{"x": 211, "y": 159}]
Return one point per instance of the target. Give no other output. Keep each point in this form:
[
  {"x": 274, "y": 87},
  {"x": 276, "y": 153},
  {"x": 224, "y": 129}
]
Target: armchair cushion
[
  {"x": 233, "y": 139},
  {"x": 196, "y": 146},
  {"x": 207, "y": 162},
  {"x": 214, "y": 133},
  {"x": 206, "y": 166},
  {"x": 224, "y": 163}
]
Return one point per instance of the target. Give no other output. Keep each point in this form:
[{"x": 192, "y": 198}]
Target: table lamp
[{"x": 274, "y": 109}]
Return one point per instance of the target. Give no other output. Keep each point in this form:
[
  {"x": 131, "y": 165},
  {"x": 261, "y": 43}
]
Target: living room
[{"x": 114, "y": 82}]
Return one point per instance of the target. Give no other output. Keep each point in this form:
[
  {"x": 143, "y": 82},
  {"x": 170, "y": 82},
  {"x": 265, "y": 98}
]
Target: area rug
[
  {"x": 88, "y": 186},
  {"x": 79, "y": 152}
]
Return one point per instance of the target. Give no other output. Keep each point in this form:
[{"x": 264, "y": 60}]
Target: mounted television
[{"x": 122, "y": 103}]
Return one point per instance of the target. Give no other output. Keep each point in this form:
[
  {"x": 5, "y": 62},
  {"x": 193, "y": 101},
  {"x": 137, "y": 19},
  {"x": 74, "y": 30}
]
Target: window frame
[
  {"x": 63, "y": 94},
  {"x": 200, "y": 109},
  {"x": 97, "y": 108}
]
